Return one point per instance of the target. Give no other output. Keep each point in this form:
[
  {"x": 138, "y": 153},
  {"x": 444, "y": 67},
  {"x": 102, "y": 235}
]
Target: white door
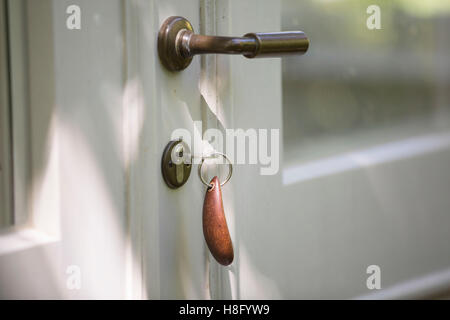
[{"x": 93, "y": 217}]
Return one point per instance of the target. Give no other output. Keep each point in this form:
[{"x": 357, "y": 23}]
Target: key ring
[{"x": 214, "y": 155}]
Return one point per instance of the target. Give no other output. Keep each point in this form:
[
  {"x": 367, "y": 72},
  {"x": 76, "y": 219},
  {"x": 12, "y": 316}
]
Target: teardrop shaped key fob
[{"x": 215, "y": 228}]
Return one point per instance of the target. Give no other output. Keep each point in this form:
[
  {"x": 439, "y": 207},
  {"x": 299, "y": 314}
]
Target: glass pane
[
  {"x": 359, "y": 87},
  {"x": 5, "y": 133}
]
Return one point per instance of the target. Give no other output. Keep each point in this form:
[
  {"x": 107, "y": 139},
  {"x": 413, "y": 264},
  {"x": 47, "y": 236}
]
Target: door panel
[
  {"x": 182, "y": 250},
  {"x": 222, "y": 92},
  {"x": 250, "y": 97},
  {"x": 72, "y": 244},
  {"x": 168, "y": 221}
]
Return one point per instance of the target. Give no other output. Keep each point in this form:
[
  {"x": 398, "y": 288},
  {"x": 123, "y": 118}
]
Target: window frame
[
  {"x": 6, "y": 199},
  {"x": 14, "y": 105}
]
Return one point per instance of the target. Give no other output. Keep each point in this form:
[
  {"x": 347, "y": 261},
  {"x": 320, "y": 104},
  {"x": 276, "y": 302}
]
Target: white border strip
[{"x": 366, "y": 157}]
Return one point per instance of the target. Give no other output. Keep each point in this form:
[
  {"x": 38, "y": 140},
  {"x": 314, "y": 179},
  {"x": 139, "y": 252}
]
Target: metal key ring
[{"x": 214, "y": 155}]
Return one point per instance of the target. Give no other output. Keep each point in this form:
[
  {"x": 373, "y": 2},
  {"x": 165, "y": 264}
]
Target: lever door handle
[{"x": 177, "y": 44}]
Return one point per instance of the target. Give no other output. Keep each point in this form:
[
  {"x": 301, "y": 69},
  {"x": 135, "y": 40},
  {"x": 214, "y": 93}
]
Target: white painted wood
[
  {"x": 173, "y": 247},
  {"x": 77, "y": 184},
  {"x": 208, "y": 85},
  {"x": 101, "y": 109},
  {"x": 89, "y": 79},
  {"x": 250, "y": 97}
]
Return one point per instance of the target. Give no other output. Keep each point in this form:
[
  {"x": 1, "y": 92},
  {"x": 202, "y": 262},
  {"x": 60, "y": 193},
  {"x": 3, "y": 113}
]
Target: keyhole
[
  {"x": 179, "y": 169},
  {"x": 176, "y": 166}
]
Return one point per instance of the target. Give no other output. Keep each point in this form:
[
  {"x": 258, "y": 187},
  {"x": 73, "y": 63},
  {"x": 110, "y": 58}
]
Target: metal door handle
[{"x": 177, "y": 44}]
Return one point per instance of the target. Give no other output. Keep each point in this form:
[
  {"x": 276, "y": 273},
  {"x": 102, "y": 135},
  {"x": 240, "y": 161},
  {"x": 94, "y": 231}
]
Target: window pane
[
  {"x": 5, "y": 132},
  {"x": 358, "y": 87}
]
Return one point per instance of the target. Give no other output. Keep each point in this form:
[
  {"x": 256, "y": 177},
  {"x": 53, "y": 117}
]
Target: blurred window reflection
[{"x": 358, "y": 87}]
